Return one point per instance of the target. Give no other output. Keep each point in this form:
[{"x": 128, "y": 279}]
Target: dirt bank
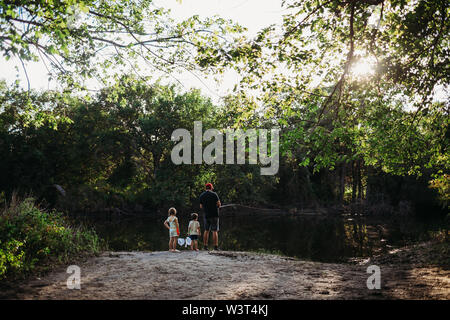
[{"x": 235, "y": 275}]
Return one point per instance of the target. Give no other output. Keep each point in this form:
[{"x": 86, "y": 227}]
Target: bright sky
[{"x": 253, "y": 14}]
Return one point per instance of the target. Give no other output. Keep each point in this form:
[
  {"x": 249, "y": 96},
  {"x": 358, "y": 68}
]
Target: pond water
[{"x": 319, "y": 238}]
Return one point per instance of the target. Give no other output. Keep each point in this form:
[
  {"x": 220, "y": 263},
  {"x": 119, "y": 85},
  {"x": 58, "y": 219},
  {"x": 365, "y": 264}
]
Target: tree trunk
[
  {"x": 342, "y": 184},
  {"x": 354, "y": 180},
  {"x": 360, "y": 186}
]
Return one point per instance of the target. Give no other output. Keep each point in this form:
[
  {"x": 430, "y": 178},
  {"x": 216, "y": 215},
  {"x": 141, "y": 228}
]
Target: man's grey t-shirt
[{"x": 208, "y": 199}]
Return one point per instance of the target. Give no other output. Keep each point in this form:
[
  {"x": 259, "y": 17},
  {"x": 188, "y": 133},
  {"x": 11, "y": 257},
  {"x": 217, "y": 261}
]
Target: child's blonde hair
[{"x": 172, "y": 211}]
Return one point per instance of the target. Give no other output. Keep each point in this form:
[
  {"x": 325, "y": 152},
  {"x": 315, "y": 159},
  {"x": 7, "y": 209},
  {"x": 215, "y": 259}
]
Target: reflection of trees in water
[
  {"x": 356, "y": 237},
  {"x": 134, "y": 234},
  {"x": 330, "y": 239},
  {"x": 325, "y": 239}
]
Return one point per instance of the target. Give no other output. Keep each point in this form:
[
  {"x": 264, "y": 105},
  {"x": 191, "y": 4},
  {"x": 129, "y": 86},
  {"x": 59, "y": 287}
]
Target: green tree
[
  {"x": 352, "y": 83},
  {"x": 80, "y": 39}
]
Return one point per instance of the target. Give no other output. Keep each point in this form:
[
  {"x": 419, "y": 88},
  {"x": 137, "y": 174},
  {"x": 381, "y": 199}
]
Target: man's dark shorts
[{"x": 211, "y": 223}]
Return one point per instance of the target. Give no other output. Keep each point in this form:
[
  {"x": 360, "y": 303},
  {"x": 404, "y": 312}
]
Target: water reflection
[{"x": 319, "y": 238}]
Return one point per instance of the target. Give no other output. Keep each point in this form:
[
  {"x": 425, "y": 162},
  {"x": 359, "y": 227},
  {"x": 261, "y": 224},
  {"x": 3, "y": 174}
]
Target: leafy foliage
[
  {"x": 77, "y": 40},
  {"x": 303, "y": 75},
  {"x": 338, "y": 125},
  {"x": 31, "y": 237}
]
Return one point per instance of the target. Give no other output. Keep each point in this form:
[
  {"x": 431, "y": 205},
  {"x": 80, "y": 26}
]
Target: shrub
[{"x": 31, "y": 237}]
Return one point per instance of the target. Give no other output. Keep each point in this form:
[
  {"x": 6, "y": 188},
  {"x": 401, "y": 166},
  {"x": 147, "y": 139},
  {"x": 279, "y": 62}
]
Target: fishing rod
[{"x": 249, "y": 207}]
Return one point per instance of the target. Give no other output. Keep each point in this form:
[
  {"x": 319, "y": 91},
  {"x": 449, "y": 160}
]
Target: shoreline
[{"x": 233, "y": 275}]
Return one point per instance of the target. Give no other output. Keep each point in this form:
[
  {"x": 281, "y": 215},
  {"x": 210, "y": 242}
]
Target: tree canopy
[
  {"x": 353, "y": 79},
  {"x": 82, "y": 39},
  {"x": 355, "y": 86}
]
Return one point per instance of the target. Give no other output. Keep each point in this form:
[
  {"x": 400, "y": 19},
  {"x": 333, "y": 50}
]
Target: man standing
[{"x": 210, "y": 203}]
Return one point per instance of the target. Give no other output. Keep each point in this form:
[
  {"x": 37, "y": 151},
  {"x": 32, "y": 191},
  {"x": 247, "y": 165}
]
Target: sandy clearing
[{"x": 231, "y": 275}]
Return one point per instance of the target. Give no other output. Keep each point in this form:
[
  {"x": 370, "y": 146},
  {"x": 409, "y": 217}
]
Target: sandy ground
[{"x": 232, "y": 275}]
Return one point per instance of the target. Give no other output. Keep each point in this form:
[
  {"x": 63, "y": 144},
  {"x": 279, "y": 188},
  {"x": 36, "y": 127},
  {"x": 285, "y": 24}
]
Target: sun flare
[{"x": 363, "y": 68}]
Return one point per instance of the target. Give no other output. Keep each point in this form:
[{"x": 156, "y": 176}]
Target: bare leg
[
  {"x": 175, "y": 243},
  {"x": 170, "y": 244},
  {"x": 215, "y": 238},
  {"x": 205, "y": 238}
]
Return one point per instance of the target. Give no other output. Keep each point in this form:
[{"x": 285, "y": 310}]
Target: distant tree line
[{"x": 112, "y": 150}]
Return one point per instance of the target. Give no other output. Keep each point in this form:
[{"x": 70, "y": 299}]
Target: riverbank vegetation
[
  {"x": 32, "y": 240},
  {"x": 358, "y": 89},
  {"x": 111, "y": 151}
]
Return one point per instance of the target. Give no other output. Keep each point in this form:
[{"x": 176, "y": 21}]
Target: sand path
[{"x": 232, "y": 275}]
